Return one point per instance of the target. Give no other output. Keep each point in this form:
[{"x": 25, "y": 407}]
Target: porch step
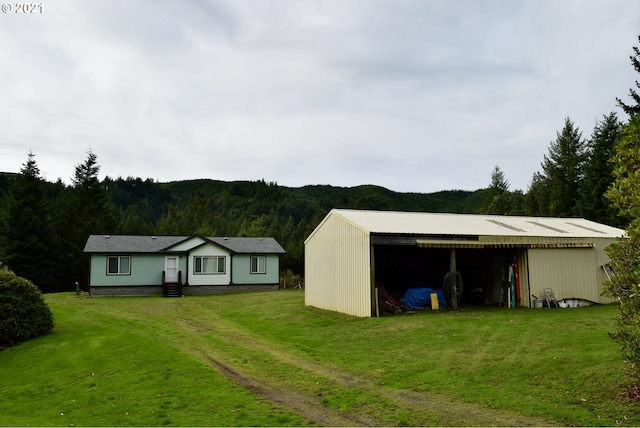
[{"x": 172, "y": 290}]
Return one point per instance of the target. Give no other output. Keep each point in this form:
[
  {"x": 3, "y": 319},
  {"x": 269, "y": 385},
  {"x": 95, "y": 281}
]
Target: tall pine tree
[
  {"x": 499, "y": 198},
  {"x": 562, "y": 171},
  {"x": 28, "y": 243},
  {"x": 598, "y": 173},
  {"x": 536, "y": 200},
  {"x": 633, "y": 109},
  {"x": 87, "y": 210}
]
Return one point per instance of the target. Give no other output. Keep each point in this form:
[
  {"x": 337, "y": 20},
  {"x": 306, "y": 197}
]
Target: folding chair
[{"x": 550, "y": 298}]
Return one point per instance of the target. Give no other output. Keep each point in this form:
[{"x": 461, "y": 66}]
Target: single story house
[
  {"x": 177, "y": 265},
  {"x": 352, "y": 253}
]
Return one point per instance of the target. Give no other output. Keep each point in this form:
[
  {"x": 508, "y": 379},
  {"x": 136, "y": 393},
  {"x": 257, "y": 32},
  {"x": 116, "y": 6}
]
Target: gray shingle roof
[
  {"x": 154, "y": 244},
  {"x": 129, "y": 243},
  {"x": 250, "y": 245}
]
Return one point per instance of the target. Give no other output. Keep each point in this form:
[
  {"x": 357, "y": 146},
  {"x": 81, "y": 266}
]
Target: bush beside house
[{"x": 23, "y": 311}]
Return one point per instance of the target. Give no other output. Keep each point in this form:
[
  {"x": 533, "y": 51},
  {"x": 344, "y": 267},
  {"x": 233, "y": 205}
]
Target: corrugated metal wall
[
  {"x": 337, "y": 268},
  {"x": 569, "y": 272}
]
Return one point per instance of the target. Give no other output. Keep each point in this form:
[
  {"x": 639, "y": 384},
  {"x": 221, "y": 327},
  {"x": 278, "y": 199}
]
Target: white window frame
[
  {"x": 119, "y": 265},
  {"x": 218, "y": 264},
  {"x": 258, "y": 265}
]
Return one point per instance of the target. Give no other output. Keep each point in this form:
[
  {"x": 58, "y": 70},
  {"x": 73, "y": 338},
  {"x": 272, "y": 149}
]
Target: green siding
[
  {"x": 146, "y": 269},
  {"x": 241, "y": 270}
]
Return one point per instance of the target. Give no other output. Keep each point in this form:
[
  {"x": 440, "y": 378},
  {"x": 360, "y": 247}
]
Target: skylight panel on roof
[
  {"x": 508, "y": 226},
  {"x": 586, "y": 228},
  {"x": 555, "y": 229}
]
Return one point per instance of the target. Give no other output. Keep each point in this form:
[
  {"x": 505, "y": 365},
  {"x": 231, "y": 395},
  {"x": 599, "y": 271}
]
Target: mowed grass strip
[
  {"x": 559, "y": 364},
  {"x": 147, "y": 361},
  {"x": 98, "y": 368}
]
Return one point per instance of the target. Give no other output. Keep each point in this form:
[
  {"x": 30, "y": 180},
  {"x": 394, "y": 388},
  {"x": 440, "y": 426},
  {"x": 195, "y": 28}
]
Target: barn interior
[{"x": 402, "y": 267}]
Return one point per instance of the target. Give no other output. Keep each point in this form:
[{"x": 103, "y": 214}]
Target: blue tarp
[{"x": 415, "y": 298}]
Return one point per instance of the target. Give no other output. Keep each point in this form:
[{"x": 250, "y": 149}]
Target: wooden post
[
  {"x": 453, "y": 280},
  {"x": 375, "y": 307}
]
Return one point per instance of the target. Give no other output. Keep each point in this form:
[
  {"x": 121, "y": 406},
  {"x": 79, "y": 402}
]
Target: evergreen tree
[
  {"x": 5, "y": 180},
  {"x": 632, "y": 110},
  {"x": 562, "y": 172},
  {"x": 139, "y": 204},
  {"x": 598, "y": 172},
  {"x": 255, "y": 227},
  {"x": 198, "y": 217},
  {"x": 131, "y": 223},
  {"x": 536, "y": 201},
  {"x": 87, "y": 210},
  {"x": 498, "y": 181},
  {"x": 499, "y": 199},
  {"x": 625, "y": 284},
  {"x": 170, "y": 222},
  {"x": 28, "y": 243}
]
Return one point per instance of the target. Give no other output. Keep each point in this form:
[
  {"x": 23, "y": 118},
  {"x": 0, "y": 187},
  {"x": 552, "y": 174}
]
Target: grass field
[{"x": 264, "y": 359}]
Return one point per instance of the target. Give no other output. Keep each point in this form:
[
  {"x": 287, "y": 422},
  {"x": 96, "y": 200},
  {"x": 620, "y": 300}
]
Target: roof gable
[{"x": 188, "y": 243}]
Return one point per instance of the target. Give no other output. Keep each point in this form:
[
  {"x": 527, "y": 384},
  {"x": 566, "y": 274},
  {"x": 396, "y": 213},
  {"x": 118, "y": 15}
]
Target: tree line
[
  {"x": 44, "y": 225},
  {"x": 573, "y": 180},
  {"x": 597, "y": 178}
]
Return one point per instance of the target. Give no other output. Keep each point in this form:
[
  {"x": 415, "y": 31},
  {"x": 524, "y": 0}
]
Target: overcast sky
[{"x": 415, "y": 96}]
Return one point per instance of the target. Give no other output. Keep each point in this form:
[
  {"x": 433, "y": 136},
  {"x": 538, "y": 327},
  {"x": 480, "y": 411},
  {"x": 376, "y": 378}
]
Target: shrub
[
  {"x": 288, "y": 279},
  {"x": 23, "y": 311}
]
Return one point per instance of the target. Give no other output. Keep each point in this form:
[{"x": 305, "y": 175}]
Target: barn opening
[
  {"x": 399, "y": 268},
  {"x": 353, "y": 250}
]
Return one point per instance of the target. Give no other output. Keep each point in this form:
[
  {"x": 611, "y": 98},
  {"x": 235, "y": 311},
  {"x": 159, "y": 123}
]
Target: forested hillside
[
  {"x": 208, "y": 207},
  {"x": 259, "y": 208}
]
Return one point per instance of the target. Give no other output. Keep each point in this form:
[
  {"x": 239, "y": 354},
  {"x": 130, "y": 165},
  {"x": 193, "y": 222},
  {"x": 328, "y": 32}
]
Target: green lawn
[{"x": 264, "y": 359}]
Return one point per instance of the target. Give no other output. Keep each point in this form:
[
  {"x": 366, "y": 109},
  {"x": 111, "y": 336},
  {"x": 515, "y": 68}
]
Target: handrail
[
  {"x": 166, "y": 285},
  {"x": 164, "y": 278}
]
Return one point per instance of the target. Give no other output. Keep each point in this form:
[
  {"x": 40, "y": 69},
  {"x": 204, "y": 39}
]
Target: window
[
  {"x": 209, "y": 264},
  {"x": 118, "y": 265},
  {"x": 258, "y": 264}
]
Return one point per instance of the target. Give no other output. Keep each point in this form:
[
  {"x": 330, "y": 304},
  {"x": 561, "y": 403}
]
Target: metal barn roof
[{"x": 420, "y": 223}]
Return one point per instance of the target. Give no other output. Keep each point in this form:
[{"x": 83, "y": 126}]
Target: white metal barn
[{"x": 353, "y": 251}]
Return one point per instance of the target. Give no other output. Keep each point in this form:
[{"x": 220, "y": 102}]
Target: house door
[{"x": 171, "y": 269}]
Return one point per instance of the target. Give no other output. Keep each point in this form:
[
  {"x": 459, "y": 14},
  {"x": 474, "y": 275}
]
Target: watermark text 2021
[{"x": 22, "y": 8}]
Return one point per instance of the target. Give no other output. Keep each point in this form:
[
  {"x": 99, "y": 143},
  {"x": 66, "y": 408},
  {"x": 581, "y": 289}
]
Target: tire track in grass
[
  {"x": 196, "y": 334},
  {"x": 427, "y": 408},
  {"x": 192, "y": 335},
  {"x": 304, "y": 405}
]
